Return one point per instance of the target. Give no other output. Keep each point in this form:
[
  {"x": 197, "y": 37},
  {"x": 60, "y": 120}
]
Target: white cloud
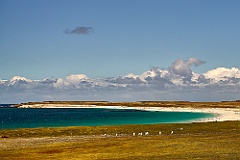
[
  {"x": 19, "y": 79},
  {"x": 76, "y": 78},
  {"x": 177, "y": 82},
  {"x": 70, "y": 80},
  {"x": 222, "y": 73},
  {"x": 60, "y": 83},
  {"x": 148, "y": 74},
  {"x": 131, "y": 75}
]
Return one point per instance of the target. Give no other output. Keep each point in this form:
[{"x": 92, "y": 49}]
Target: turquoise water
[{"x": 11, "y": 118}]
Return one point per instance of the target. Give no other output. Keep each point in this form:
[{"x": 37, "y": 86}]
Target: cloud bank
[
  {"x": 80, "y": 30},
  {"x": 177, "y": 82}
]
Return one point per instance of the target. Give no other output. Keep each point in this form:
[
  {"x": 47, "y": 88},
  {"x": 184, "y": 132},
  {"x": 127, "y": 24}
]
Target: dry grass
[{"x": 194, "y": 141}]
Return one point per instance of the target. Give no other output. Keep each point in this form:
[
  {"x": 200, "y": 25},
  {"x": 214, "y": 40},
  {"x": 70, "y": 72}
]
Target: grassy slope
[{"x": 217, "y": 140}]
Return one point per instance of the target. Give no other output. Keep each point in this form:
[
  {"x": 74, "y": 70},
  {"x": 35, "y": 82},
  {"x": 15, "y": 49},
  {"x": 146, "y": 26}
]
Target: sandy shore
[{"x": 221, "y": 114}]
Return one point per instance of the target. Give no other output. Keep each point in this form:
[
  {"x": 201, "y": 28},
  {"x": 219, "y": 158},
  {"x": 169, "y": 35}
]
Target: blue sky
[{"x": 38, "y": 38}]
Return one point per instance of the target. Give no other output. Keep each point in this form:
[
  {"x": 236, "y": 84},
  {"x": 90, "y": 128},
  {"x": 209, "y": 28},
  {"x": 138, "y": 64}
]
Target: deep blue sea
[{"x": 13, "y": 118}]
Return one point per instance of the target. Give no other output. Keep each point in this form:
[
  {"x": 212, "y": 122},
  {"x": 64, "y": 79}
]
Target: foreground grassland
[{"x": 213, "y": 141}]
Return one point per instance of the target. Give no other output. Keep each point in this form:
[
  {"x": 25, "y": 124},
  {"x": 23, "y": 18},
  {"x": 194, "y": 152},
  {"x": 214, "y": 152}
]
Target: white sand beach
[{"x": 222, "y": 114}]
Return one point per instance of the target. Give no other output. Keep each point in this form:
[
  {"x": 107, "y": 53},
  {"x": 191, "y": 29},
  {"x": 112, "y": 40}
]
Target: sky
[{"x": 114, "y": 50}]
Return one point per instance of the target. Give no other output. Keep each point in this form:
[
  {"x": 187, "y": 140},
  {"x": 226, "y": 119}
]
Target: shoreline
[{"x": 221, "y": 114}]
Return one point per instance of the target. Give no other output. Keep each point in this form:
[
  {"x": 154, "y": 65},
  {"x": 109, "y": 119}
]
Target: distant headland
[{"x": 184, "y": 104}]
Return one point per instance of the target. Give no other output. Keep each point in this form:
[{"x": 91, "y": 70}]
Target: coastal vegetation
[
  {"x": 212, "y": 140},
  {"x": 205, "y": 140}
]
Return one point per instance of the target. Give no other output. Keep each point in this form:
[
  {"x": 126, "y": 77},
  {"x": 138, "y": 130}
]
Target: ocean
[{"x": 14, "y": 118}]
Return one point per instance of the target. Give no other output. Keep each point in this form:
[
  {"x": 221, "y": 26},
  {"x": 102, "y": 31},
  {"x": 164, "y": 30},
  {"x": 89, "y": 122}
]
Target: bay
[{"x": 13, "y": 118}]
